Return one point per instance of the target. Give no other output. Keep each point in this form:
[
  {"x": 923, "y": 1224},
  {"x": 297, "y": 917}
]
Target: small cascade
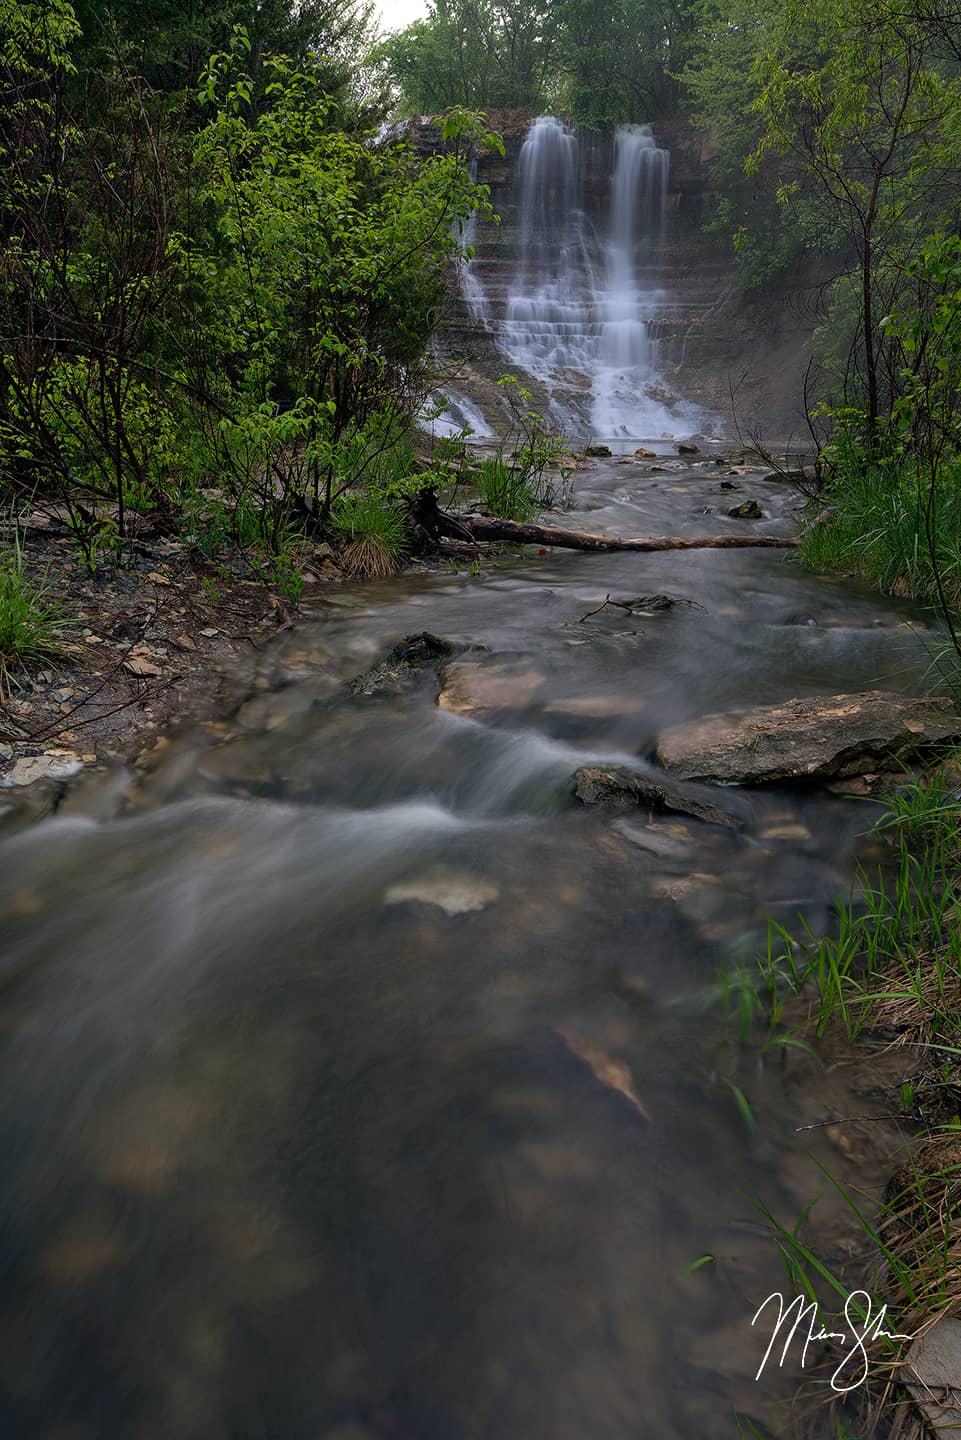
[
  {"x": 584, "y": 287},
  {"x": 471, "y": 285},
  {"x": 459, "y": 413}
]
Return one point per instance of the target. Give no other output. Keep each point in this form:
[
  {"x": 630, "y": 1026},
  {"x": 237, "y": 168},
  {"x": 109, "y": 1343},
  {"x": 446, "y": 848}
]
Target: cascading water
[
  {"x": 549, "y": 323},
  {"x": 582, "y": 294},
  {"x": 460, "y": 414},
  {"x": 471, "y": 285},
  {"x": 626, "y": 360}
]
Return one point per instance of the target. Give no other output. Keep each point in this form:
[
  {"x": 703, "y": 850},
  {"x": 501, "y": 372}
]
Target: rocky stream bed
[{"x": 362, "y": 1069}]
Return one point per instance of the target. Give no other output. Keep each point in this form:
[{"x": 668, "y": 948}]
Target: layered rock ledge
[{"x": 822, "y": 737}]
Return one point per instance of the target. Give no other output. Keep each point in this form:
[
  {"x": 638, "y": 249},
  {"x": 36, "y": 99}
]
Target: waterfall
[
  {"x": 626, "y": 366},
  {"x": 548, "y": 321},
  {"x": 583, "y": 287}
]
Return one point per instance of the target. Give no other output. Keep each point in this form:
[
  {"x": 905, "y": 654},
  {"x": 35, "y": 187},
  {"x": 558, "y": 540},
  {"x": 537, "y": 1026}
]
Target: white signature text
[{"x": 800, "y": 1319}]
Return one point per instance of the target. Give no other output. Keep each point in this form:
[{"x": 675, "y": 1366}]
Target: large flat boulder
[{"x": 823, "y": 737}]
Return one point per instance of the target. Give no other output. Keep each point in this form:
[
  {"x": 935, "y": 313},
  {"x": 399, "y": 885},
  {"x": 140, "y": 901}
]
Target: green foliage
[
  {"x": 32, "y": 623},
  {"x": 504, "y": 490},
  {"x": 35, "y": 37},
  {"x": 328, "y": 269},
  {"x": 600, "y": 64},
  {"x": 859, "y": 108},
  {"x": 242, "y": 304},
  {"x": 479, "y": 53},
  {"x": 926, "y": 328},
  {"x": 515, "y": 483},
  {"x": 877, "y": 514},
  {"x": 167, "y": 42},
  {"x": 894, "y": 956}
]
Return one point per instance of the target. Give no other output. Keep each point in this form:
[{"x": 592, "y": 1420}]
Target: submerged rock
[
  {"x": 454, "y": 892},
  {"x": 615, "y": 787},
  {"x": 824, "y": 737},
  {"x": 473, "y": 689},
  {"x": 52, "y": 765}
]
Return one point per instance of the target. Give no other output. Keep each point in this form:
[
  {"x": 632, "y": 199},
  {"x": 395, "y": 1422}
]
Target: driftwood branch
[{"x": 511, "y": 533}]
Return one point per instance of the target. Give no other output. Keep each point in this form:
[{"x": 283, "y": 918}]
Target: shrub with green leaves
[{"x": 884, "y": 523}]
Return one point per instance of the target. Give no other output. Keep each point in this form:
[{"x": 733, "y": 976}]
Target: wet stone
[
  {"x": 472, "y": 688},
  {"x": 821, "y": 737},
  {"x": 453, "y": 892},
  {"x": 934, "y": 1363},
  {"x": 30, "y": 768},
  {"x": 415, "y": 653},
  {"x": 615, "y": 787}
]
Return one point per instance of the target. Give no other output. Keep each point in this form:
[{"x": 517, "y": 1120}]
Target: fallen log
[{"x": 510, "y": 532}]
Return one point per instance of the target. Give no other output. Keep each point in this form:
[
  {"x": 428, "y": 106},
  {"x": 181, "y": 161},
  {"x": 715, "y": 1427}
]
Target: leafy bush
[{"x": 374, "y": 532}]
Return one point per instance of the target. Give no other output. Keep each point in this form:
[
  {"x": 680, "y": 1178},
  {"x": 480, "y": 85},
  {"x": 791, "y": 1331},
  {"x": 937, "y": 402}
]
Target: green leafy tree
[
  {"x": 860, "y": 113},
  {"x": 482, "y": 54},
  {"x": 621, "y": 61},
  {"x": 326, "y": 271},
  {"x": 168, "y": 42}
]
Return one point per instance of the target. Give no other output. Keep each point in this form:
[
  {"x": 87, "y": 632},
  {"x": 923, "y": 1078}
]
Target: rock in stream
[
  {"x": 616, "y": 787},
  {"x": 822, "y": 737}
]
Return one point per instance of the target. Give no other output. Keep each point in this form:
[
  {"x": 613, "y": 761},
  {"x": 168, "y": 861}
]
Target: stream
[{"x": 356, "y": 1083}]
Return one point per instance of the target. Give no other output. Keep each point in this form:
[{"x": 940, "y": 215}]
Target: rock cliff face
[{"x": 740, "y": 360}]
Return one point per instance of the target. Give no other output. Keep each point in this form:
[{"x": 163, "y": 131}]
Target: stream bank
[{"x": 392, "y": 1095}]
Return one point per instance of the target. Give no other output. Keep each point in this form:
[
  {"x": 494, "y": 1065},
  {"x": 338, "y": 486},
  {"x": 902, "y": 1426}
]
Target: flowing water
[
  {"x": 357, "y": 1083},
  {"x": 584, "y": 283}
]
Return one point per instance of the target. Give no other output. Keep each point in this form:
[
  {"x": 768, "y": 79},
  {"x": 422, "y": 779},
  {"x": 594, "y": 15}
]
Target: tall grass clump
[
  {"x": 373, "y": 532},
  {"x": 505, "y": 490},
  {"x": 32, "y": 623},
  {"x": 879, "y": 520}
]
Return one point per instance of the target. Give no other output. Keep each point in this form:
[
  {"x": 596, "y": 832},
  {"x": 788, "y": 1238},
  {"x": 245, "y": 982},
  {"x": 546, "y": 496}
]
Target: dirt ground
[{"x": 166, "y": 639}]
